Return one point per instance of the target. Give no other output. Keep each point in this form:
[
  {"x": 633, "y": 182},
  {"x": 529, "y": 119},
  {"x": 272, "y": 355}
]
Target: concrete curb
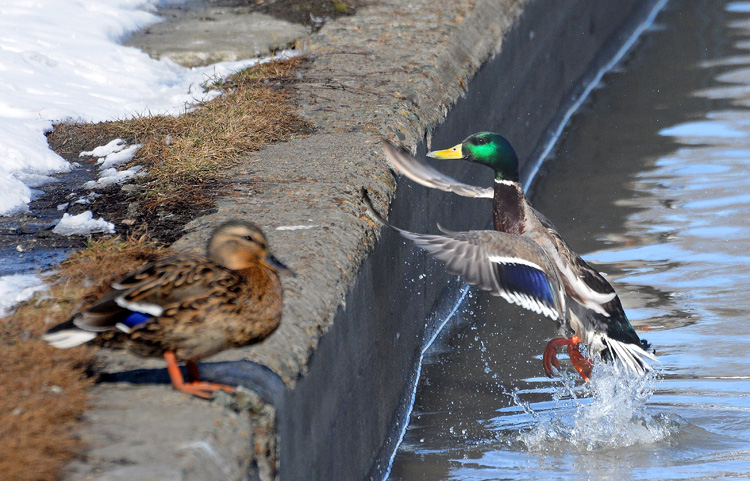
[{"x": 339, "y": 370}]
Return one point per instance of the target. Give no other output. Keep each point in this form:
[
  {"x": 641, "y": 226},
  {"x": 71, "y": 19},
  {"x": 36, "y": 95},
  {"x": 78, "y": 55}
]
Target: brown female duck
[{"x": 187, "y": 307}]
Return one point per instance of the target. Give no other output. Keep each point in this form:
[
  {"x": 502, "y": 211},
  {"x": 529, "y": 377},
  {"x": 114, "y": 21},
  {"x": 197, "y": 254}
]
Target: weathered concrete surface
[
  {"x": 198, "y": 33},
  {"x": 126, "y": 448},
  {"x": 337, "y": 369}
]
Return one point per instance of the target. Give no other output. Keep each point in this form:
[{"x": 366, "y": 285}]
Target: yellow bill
[{"x": 455, "y": 152}]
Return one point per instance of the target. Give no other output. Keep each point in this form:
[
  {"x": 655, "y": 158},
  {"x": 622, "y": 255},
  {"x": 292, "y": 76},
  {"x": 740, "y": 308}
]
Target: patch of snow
[
  {"x": 63, "y": 60},
  {"x": 114, "y": 154},
  {"x": 116, "y": 158},
  {"x": 82, "y": 224},
  {"x": 114, "y": 176},
  {"x": 17, "y": 288},
  {"x": 104, "y": 150}
]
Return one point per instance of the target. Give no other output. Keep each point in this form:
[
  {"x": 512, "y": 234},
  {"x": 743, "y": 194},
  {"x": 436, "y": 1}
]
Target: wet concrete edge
[{"x": 338, "y": 369}]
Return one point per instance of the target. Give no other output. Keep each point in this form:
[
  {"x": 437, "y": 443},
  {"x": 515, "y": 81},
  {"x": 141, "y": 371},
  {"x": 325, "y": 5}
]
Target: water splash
[{"x": 608, "y": 412}]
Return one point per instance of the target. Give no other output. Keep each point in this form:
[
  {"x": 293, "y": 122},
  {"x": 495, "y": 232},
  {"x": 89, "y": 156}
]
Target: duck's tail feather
[
  {"x": 67, "y": 335},
  {"x": 631, "y": 356}
]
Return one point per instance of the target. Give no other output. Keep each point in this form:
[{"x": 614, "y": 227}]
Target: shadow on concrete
[{"x": 267, "y": 384}]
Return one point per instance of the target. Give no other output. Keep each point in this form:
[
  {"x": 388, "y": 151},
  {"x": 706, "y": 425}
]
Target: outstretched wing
[
  {"x": 423, "y": 173},
  {"x": 504, "y": 264}
]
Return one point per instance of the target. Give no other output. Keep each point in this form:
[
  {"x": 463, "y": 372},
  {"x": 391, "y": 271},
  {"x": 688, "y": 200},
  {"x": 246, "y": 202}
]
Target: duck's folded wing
[
  {"x": 506, "y": 265},
  {"x": 151, "y": 289},
  {"x": 423, "y": 173}
]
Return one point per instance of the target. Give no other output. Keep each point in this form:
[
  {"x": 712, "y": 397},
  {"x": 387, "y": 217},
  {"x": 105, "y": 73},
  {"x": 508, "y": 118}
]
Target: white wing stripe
[
  {"x": 143, "y": 307},
  {"x": 514, "y": 260},
  {"x": 529, "y": 303},
  {"x": 585, "y": 291}
]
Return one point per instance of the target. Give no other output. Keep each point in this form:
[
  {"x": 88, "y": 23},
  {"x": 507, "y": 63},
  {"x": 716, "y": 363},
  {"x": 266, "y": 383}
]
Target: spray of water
[{"x": 608, "y": 412}]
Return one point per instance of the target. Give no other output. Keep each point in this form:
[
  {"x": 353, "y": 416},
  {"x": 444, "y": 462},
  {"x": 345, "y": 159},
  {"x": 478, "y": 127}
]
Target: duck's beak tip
[{"x": 278, "y": 266}]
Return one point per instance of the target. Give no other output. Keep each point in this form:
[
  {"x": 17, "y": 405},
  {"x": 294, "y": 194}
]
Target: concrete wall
[
  {"x": 340, "y": 370},
  {"x": 341, "y": 419}
]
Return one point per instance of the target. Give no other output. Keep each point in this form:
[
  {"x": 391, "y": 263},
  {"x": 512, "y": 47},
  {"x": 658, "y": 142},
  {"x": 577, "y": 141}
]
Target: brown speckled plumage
[
  {"x": 208, "y": 308},
  {"x": 194, "y": 306}
]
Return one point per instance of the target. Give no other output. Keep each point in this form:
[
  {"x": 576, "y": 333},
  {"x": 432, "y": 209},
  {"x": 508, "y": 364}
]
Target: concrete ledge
[
  {"x": 199, "y": 32},
  {"x": 340, "y": 368}
]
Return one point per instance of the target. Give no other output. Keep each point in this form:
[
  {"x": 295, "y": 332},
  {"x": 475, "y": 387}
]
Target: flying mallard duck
[
  {"x": 600, "y": 323},
  {"x": 188, "y": 307}
]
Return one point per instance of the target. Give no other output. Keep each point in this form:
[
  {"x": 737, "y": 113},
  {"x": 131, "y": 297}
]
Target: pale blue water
[{"x": 651, "y": 180}]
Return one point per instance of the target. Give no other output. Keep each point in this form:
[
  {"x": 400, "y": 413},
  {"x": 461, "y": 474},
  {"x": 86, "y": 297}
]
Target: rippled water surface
[{"x": 651, "y": 180}]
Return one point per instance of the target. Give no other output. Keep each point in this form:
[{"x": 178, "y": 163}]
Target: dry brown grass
[
  {"x": 45, "y": 388},
  {"x": 185, "y": 154}
]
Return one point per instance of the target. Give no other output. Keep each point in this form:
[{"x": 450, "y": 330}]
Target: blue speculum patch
[
  {"x": 136, "y": 319},
  {"x": 521, "y": 278}
]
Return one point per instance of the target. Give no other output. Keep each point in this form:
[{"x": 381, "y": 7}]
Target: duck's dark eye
[
  {"x": 260, "y": 242},
  {"x": 481, "y": 141}
]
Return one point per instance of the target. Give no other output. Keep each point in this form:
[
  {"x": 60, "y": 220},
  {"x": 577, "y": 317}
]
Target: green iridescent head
[{"x": 486, "y": 148}]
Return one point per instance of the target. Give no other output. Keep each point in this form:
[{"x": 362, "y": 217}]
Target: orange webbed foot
[
  {"x": 201, "y": 389},
  {"x": 195, "y": 386},
  {"x": 582, "y": 364}
]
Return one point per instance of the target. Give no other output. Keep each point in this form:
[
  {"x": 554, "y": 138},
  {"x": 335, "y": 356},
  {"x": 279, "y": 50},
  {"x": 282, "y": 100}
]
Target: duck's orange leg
[
  {"x": 549, "y": 358},
  {"x": 196, "y": 387},
  {"x": 582, "y": 364}
]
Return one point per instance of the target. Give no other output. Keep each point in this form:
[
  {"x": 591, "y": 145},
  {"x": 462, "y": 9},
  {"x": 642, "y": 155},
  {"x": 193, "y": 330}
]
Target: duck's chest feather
[{"x": 508, "y": 213}]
